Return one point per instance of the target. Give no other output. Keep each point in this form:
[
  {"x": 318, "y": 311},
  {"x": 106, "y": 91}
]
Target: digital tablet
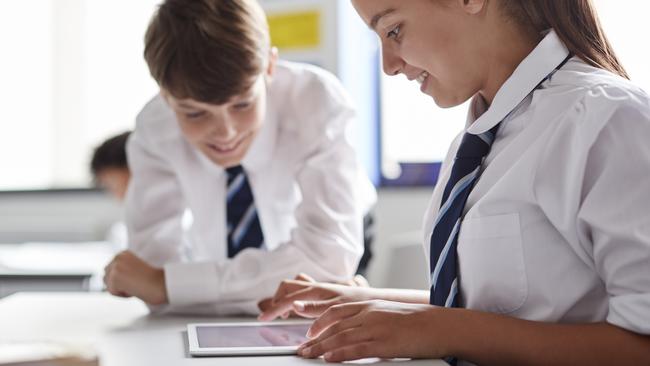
[{"x": 249, "y": 338}]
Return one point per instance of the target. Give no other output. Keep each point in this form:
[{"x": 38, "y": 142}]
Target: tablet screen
[{"x": 246, "y": 336}]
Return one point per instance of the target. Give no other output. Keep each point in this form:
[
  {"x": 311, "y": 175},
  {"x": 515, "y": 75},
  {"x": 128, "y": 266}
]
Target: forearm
[
  {"x": 400, "y": 295},
  {"x": 491, "y": 339},
  {"x": 250, "y": 276}
]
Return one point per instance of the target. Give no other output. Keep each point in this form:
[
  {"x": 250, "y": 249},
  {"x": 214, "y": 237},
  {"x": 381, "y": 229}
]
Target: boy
[{"x": 255, "y": 148}]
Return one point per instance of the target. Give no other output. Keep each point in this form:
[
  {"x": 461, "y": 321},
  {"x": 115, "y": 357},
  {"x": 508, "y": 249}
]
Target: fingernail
[
  {"x": 327, "y": 355},
  {"x": 299, "y": 305},
  {"x": 306, "y": 351}
]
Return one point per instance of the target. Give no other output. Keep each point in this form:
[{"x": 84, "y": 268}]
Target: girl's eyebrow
[{"x": 378, "y": 16}]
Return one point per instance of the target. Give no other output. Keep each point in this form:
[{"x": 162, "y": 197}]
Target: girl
[{"x": 546, "y": 258}]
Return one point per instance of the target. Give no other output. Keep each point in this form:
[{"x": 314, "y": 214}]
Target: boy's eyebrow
[
  {"x": 378, "y": 16},
  {"x": 183, "y": 105}
]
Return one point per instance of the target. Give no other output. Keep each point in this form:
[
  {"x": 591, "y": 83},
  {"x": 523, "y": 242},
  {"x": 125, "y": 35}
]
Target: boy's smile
[{"x": 225, "y": 132}]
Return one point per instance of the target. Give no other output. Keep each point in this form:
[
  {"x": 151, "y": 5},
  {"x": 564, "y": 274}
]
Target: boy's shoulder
[
  {"x": 303, "y": 71},
  {"x": 304, "y": 89},
  {"x": 156, "y": 120}
]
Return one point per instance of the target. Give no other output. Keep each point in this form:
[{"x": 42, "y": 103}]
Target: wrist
[
  {"x": 448, "y": 323},
  {"x": 160, "y": 296}
]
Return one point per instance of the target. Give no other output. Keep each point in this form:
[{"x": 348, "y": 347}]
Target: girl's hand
[
  {"x": 376, "y": 328},
  {"x": 309, "y": 299}
]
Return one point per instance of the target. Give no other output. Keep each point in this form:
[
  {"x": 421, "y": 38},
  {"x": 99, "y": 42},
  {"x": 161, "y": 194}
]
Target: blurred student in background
[
  {"x": 110, "y": 171},
  {"x": 109, "y": 166}
]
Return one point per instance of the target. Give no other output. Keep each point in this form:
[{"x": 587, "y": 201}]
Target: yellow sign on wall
[{"x": 295, "y": 30}]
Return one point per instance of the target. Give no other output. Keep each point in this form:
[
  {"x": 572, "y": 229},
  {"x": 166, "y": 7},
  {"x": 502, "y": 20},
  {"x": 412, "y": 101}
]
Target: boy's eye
[
  {"x": 394, "y": 33},
  {"x": 195, "y": 114}
]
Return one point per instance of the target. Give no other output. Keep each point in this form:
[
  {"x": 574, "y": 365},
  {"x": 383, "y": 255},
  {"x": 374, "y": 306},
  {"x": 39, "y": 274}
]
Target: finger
[
  {"x": 353, "y": 352},
  {"x": 264, "y": 304},
  {"x": 361, "y": 281},
  {"x": 340, "y": 326},
  {"x": 339, "y": 340},
  {"x": 288, "y": 287},
  {"x": 286, "y": 304},
  {"x": 304, "y": 277},
  {"x": 332, "y": 315},
  {"x": 314, "y": 309}
]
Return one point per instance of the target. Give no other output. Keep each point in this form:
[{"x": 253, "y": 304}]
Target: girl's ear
[
  {"x": 472, "y": 6},
  {"x": 273, "y": 59}
]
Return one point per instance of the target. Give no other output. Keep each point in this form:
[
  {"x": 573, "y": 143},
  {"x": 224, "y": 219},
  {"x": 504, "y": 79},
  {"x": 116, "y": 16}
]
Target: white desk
[{"x": 121, "y": 330}]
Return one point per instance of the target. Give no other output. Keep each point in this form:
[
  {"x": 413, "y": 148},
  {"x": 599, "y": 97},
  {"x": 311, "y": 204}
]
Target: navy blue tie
[
  {"x": 444, "y": 240},
  {"x": 244, "y": 230},
  {"x": 464, "y": 173}
]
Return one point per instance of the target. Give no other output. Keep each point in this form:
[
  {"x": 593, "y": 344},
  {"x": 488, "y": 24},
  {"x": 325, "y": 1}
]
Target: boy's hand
[{"x": 127, "y": 275}]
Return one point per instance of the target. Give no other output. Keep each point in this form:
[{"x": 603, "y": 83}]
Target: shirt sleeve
[
  {"x": 154, "y": 203},
  {"x": 327, "y": 241},
  {"x": 614, "y": 217}
]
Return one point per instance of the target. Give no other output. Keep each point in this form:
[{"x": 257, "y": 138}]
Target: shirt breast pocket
[{"x": 490, "y": 256}]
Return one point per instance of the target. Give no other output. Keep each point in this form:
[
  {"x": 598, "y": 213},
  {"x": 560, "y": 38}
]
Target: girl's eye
[
  {"x": 195, "y": 114},
  {"x": 394, "y": 33},
  {"x": 241, "y": 106}
]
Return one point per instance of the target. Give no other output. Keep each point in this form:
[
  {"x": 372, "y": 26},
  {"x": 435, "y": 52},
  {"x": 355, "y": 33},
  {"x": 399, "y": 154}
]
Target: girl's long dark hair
[{"x": 575, "y": 22}]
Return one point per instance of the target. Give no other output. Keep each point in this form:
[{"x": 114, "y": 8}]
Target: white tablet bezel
[{"x": 196, "y": 350}]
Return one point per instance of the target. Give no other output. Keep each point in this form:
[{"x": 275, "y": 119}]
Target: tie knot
[
  {"x": 477, "y": 146},
  {"x": 234, "y": 171}
]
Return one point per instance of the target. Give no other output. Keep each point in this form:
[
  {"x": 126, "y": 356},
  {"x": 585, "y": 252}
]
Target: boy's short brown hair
[{"x": 207, "y": 50}]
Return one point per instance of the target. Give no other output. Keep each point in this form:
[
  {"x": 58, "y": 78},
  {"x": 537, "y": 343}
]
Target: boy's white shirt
[
  {"x": 557, "y": 229},
  {"x": 310, "y": 193}
]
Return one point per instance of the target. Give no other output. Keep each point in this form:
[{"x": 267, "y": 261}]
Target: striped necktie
[
  {"x": 444, "y": 240},
  {"x": 464, "y": 173},
  {"x": 244, "y": 230}
]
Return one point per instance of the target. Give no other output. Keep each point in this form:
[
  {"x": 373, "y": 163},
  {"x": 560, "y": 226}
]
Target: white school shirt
[
  {"x": 557, "y": 229},
  {"x": 310, "y": 193}
]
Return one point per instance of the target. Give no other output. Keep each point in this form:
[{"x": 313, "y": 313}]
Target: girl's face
[{"x": 434, "y": 42}]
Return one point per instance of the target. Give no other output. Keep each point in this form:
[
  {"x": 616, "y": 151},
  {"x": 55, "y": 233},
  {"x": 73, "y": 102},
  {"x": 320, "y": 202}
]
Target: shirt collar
[
  {"x": 546, "y": 56},
  {"x": 263, "y": 145}
]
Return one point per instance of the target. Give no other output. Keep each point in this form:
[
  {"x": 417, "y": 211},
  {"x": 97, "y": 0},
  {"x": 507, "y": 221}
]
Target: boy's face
[{"x": 224, "y": 133}]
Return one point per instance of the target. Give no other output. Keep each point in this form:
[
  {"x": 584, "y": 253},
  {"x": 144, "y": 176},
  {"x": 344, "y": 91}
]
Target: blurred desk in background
[{"x": 46, "y": 267}]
